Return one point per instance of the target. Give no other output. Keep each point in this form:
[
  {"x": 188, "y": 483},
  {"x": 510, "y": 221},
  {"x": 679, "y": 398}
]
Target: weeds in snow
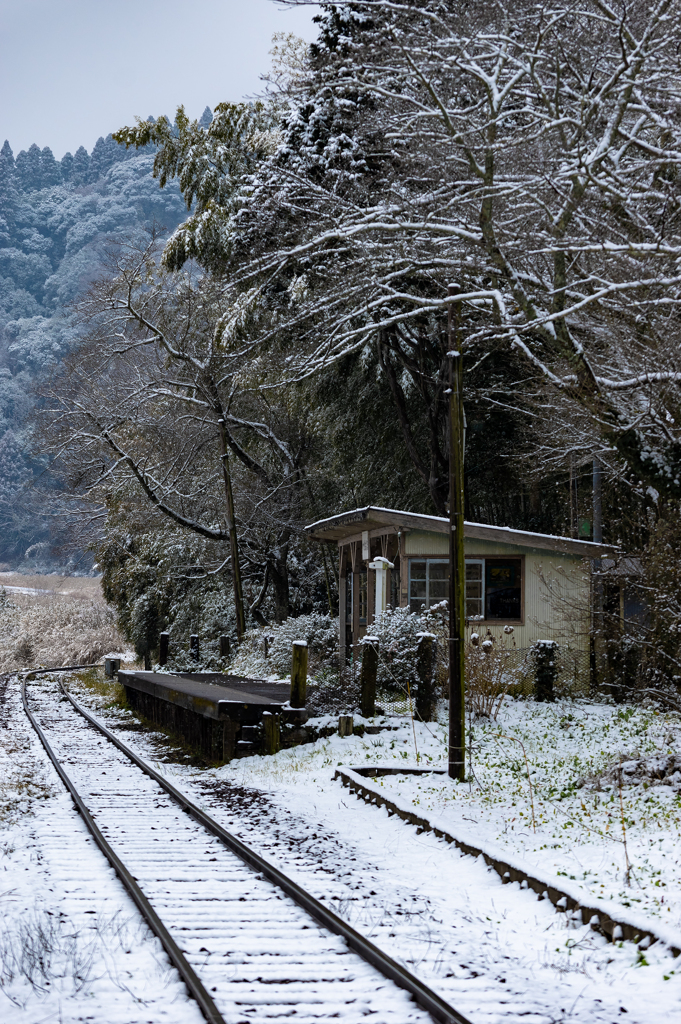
[
  {"x": 43, "y": 952},
  {"x": 529, "y": 777},
  {"x": 40, "y": 949},
  {"x": 22, "y": 779}
]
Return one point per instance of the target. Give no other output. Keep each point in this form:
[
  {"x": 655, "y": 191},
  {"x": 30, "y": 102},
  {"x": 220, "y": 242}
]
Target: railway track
[{"x": 248, "y": 941}]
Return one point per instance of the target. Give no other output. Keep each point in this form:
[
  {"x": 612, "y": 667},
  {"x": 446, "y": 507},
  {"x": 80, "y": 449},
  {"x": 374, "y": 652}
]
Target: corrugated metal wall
[{"x": 556, "y": 587}]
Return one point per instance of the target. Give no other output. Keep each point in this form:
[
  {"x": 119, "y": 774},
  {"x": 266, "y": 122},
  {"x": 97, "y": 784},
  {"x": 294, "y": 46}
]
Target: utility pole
[
  {"x": 231, "y": 527},
  {"x": 457, "y": 580}
]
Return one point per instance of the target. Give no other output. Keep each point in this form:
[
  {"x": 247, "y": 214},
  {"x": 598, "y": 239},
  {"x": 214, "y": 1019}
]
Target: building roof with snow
[{"x": 341, "y": 528}]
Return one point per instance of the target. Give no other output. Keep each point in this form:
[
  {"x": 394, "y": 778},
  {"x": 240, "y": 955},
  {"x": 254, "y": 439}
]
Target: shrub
[
  {"x": 266, "y": 652},
  {"x": 491, "y": 670}
]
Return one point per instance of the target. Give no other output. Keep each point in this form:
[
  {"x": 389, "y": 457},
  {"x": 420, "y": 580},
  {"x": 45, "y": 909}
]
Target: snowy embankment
[
  {"x": 492, "y": 950},
  {"x": 547, "y": 787}
]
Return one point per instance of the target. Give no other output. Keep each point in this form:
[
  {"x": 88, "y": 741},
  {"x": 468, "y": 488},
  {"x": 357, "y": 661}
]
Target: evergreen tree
[
  {"x": 206, "y": 117},
  {"x": 67, "y": 167},
  {"x": 7, "y": 176},
  {"x": 49, "y": 168},
  {"x": 97, "y": 160},
  {"x": 29, "y": 169},
  {"x": 80, "y": 174},
  {"x": 104, "y": 155},
  {"x": 6, "y": 163},
  {"x": 8, "y": 194}
]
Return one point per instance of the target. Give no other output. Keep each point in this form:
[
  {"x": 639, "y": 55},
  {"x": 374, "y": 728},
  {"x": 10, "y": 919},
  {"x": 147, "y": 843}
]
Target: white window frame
[
  {"x": 474, "y": 560},
  {"x": 428, "y": 561},
  {"x": 480, "y": 562},
  {"x": 493, "y": 558}
]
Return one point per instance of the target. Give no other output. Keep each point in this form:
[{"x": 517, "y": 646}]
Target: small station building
[{"x": 536, "y": 583}]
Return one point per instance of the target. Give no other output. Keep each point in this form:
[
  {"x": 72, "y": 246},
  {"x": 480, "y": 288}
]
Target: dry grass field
[
  {"x": 79, "y": 588},
  {"x": 54, "y": 620}
]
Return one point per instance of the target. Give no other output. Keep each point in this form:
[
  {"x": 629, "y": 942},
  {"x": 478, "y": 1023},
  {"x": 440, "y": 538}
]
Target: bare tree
[
  {"x": 158, "y": 397},
  {"x": 526, "y": 154}
]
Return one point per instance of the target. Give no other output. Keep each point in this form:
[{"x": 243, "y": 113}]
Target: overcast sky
[{"x": 72, "y": 70}]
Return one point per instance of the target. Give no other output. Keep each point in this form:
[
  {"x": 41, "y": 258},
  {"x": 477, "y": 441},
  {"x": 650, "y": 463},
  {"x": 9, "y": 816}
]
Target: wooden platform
[{"x": 219, "y": 716}]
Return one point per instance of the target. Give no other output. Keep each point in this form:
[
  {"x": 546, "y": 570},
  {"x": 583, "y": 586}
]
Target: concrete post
[{"x": 345, "y": 725}]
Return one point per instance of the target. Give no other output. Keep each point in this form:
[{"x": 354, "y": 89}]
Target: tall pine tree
[
  {"x": 104, "y": 155},
  {"x": 80, "y": 174},
  {"x": 29, "y": 169},
  {"x": 67, "y": 167},
  {"x": 8, "y": 194},
  {"x": 50, "y": 171}
]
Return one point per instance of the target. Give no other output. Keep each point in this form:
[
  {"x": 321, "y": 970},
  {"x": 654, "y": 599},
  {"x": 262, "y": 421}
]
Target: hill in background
[{"x": 55, "y": 220}]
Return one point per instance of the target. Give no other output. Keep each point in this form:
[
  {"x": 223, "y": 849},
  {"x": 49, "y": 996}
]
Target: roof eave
[{"x": 337, "y": 528}]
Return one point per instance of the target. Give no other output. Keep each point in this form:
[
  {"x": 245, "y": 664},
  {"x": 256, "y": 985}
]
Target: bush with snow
[{"x": 267, "y": 652}]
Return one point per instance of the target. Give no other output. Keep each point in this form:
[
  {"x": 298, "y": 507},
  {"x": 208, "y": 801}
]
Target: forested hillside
[{"x": 55, "y": 220}]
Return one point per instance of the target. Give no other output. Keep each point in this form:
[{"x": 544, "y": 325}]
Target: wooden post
[
  {"x": 367, "y": 679},
  {"x": 194, "y": 646},
  {"x": 355, "y": 618},
  {"x": 457, "y": 713},
  {"x": 163, "y": 645},
  {"x": 299, "y": 674},
  {"x": 345, "y": 725},
  {"x": 425, "y": 667},
  {"x": 342, "y": 605},
  {"x": 224, "y": 647},
  {"x": 270, "y": 733},
  {"x": 597, "y": 639}
]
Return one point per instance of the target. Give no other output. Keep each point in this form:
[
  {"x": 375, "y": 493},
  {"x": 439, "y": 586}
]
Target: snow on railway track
[{"x": 255, "y": 952}]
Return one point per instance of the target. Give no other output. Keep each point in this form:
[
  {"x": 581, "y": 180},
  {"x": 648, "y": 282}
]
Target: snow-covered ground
[
  {"x": 617, "y": 836},
  {"x": 494, "y": 951},
  {"x": 72, "y": 945}
]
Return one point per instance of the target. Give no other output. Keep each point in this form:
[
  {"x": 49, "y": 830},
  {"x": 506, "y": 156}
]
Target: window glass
[
  {"x": 428, "y": 582},
  {"x": 502, "y": 588},
  {"x": 438, "y": 582},
  {"x": 474, "y": 589},
  {"x": 493, "y": 586}
]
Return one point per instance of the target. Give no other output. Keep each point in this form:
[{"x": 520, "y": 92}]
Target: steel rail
[
  {"x": 175, "y": 954},
  {"x": 424, "y": 996},
  {"x": 62, "y": 668}
]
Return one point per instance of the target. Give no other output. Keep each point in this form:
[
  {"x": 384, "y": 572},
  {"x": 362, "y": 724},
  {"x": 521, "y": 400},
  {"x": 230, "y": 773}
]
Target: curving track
[{"x": 249, "y": 942}]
